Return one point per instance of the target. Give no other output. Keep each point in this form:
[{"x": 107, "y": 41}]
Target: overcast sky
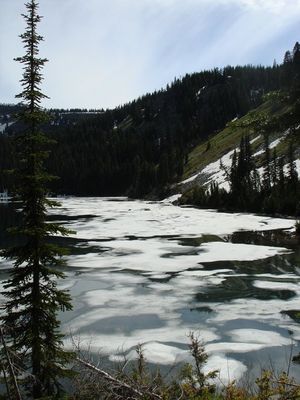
[{"x": 104, "y": 53}]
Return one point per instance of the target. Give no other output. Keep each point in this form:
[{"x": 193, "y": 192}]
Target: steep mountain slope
[
  {"x": 142, "y": 148},
  {"x": 253, "y": 164},
  {"x": 209, "y": 161}
]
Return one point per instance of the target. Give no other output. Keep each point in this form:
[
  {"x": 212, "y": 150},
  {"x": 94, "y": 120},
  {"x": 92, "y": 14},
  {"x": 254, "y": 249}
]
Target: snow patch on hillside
[
  {"x": 272, "y": 145},
  {"x": 255, "y": 139},
  {"x": 191, "y": 179},
  {"x": 217, "y": 170},
  {"x": 200, "y": 91},
  {"x": 172, "y": 198},
  {"x": 297, "y": 162},
  {"x": 4, "y": 126},
  {"x": 285, "y": 168}
]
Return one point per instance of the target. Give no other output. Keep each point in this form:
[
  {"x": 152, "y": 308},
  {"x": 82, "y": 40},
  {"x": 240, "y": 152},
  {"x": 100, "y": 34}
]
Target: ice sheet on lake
[
  {"x": 119, "y": 300},
  {"x": 228, "y": 369},
  {"x": 143, "y": 280},
  {"x": 158, "y": 256},
  {"x": 118, "y": 219},
  {"x": 118, "y": 344}
]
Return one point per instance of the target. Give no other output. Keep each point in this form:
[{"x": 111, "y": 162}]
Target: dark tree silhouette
[{"x": 33, "y": 299}]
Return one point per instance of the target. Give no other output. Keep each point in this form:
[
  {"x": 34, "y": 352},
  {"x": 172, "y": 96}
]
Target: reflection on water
[
  {"x": 136, "y": 273},
  {"x": 241, "y": 288}
]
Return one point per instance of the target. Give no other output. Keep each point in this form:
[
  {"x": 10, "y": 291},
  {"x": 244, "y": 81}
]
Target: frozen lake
[{"x": 149, "y": 272}]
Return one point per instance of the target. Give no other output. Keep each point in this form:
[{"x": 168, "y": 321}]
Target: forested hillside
[{"x": 142, "y": 147}]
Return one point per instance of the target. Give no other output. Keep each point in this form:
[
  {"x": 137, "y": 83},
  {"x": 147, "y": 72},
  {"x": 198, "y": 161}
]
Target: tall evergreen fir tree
[{"x": 33, "y": 298}]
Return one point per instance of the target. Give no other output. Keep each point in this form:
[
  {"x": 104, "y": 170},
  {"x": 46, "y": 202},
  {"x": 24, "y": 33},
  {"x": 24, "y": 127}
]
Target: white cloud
[
  {"x": 106, "y": 52},
  {"x": 270, "y": 5}
]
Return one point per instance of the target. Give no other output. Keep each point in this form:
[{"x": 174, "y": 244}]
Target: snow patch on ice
[
  {"x": 204, "y": 273},
  {"x": 257, "y": 336},
  {"x": 229, "y": 368},
  {"x": 232, "y": 347},
  {"x": 157, "y": 353},
  {"x": 156, "y": 255},
  {"x": 116, "y": 344},
  {"x": 268, "y": 311},
  {"x": 216, "y": 251},
  {"x": 276, "y": 285}
]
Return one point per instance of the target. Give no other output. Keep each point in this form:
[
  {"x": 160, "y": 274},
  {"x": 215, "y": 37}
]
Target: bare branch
[{"x": 118, "y": 383}]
